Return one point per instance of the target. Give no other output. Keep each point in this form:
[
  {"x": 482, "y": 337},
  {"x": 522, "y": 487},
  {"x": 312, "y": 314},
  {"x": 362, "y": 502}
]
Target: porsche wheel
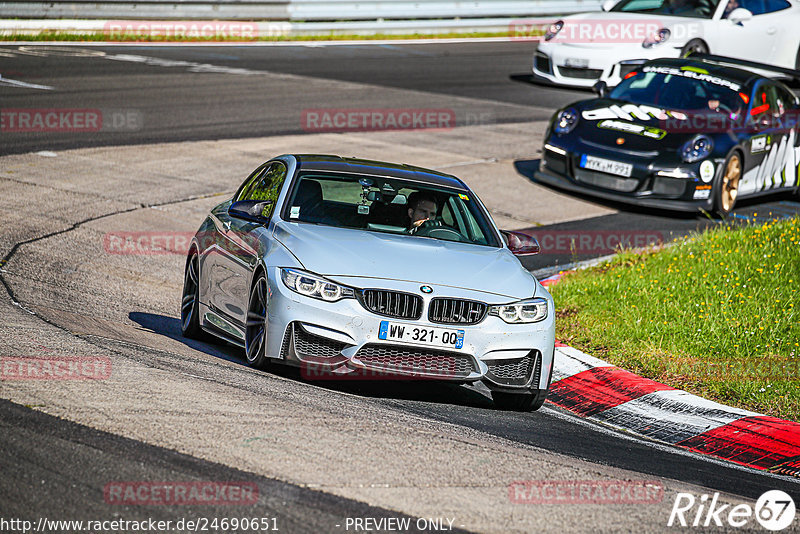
[
  {"x": 727, "y": 189},
  {"x": 256, "y": 331},
  {"x": 695, "y": 46},
  {"x": 190, "y": 303}
]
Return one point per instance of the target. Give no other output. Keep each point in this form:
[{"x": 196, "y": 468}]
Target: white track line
[{"x": 26, "y": 85}]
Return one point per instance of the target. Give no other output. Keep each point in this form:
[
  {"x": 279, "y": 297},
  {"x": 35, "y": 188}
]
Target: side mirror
[
  {"x": 608, "y": 4},
  {"x": 250, "y": 210},
  {"x": 600, "y": 88},
  {"x": 739, "y": 15},
  {"x": 520, "y": 244}
]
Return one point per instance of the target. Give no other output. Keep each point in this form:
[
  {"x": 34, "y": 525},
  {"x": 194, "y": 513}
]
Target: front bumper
[
  {"x": 645, "y": 198},
  {"x": 583, "y": 66},
  {"x": 340, "y": 340},
  {"x": 647, "y": 186}
]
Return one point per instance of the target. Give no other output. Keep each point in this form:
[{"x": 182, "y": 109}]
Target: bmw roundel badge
[{"x": 426, "y": 289}]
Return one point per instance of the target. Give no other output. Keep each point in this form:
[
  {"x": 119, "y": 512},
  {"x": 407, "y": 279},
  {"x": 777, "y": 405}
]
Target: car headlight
[
  {"x": 553, "y": 30},
  {"x": 315, "y": 286},
  {"x": 566, "y": 121},
  {"x": 697, "y": 148},
  {"x": 524, "y": 311},
  {"x": 657, "y": 38}
]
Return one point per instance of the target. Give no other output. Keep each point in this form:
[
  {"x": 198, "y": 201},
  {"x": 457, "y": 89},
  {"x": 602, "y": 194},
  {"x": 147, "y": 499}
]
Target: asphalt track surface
[
  {"x": 77, "y": 462},
  {"x": 179, "y": 105}
]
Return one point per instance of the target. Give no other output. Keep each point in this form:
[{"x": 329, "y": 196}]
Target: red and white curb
[{"x": 602, "y": 392}]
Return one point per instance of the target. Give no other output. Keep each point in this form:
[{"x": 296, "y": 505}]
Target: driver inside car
[{"x": 421, "y": 208}]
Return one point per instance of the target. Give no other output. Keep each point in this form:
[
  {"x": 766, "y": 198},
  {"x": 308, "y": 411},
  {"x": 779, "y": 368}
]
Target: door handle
[{"x": 771, "y": 30}]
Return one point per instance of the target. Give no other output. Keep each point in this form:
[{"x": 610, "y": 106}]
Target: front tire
[
  {"x": 695, "y": 46},
  {"x": 255, "y": 345},
  {"x": 727, "y": 190},
  {"x": 190, "y": 303}
]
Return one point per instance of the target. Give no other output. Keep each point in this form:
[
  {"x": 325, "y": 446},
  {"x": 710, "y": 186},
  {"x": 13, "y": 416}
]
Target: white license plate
[
  {"x": 578, "y": 63},
  {"x": 446, "y": 338},
  {"x": 606, "y": 165}
]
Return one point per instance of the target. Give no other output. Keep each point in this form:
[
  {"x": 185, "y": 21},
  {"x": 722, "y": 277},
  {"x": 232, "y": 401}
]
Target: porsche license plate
[
  {"x": 446, "y": 338},
  {"x": 606, "y": 165},
  {"x": 576, "y": 62}
]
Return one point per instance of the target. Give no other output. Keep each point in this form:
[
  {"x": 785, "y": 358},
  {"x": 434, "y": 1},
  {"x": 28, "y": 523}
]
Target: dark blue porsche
[{"x": 679, "y": 134}]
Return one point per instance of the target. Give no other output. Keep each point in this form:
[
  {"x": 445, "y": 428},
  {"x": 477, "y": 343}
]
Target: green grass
[
  {"x": 715, "y": 314},
  {"x": 129, "y": 37}
]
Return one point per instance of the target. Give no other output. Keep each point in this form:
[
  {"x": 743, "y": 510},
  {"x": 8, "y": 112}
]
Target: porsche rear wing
[{"x": 781, "y": 72}]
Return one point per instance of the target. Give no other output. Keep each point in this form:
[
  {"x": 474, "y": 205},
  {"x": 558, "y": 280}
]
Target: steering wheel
[
  {"x": 724, "y": 107},
  {"x": 437, "y": 229}
]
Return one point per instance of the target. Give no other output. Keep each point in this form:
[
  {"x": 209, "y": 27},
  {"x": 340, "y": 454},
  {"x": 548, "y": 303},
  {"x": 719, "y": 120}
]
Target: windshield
[
  {"x": 677, "y": 88},
  {"x": 699, "y": 9},
  {"x": 389, "y": 205}
]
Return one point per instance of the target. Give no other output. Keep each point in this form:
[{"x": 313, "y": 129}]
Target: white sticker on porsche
[
  {"x": 630, "y": 112},
  {"x": 779, "y": 168},
  {"x": 696, "y": 74},
  {"x": 759, "y": 144}
]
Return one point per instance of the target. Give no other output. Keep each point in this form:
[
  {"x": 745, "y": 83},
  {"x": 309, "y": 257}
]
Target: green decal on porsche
[
  {"x": 629, "y": 127},
  {"x": 695, "y": 69}
]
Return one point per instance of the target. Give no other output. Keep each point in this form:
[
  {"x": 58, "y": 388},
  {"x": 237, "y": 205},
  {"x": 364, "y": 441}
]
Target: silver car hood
[{"x": 347, "y": 252}]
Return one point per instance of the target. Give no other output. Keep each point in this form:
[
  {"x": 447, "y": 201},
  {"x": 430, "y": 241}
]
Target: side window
[
  {"x": 776, "y": 5},
  {"x": 248, "y": 183},
  {"x": 776, "y": 104},
  {"x": 761, "y": 103},
  {"x": 770, "y": 104},
  {"x": 786, "y": 100},
  {"x": 267, "y": 187},
  {"x": 473, "y": 230},
  {"x": 756, "y": 7},
  {"x": 447, "y": 215},
  {"x": 458, "y": 219},
  {"x": 639, "y": 5}
]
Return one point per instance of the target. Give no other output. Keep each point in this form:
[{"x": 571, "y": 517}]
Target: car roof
[
  {"x": 739, "y": 75},
  {"x": 325, "y": 162}
]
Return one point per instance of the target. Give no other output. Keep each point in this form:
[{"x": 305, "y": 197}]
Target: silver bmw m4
[{"x": 355, "y": 268}]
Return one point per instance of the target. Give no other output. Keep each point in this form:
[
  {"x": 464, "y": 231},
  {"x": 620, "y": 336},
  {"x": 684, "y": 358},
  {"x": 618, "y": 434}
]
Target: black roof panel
[{"x": 323, "y": 162}]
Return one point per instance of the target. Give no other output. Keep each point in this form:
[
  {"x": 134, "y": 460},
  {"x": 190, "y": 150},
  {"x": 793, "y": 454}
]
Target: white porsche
[{"x": 580, "y": 50}]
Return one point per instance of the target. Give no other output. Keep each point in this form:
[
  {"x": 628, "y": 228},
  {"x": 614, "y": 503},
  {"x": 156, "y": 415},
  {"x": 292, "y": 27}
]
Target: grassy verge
[
  {"x": 133, "y": 38},
  {"x": 716, "y": 314}
]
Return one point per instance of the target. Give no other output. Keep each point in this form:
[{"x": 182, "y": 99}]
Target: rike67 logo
[{"x": 774, "y": 510}]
